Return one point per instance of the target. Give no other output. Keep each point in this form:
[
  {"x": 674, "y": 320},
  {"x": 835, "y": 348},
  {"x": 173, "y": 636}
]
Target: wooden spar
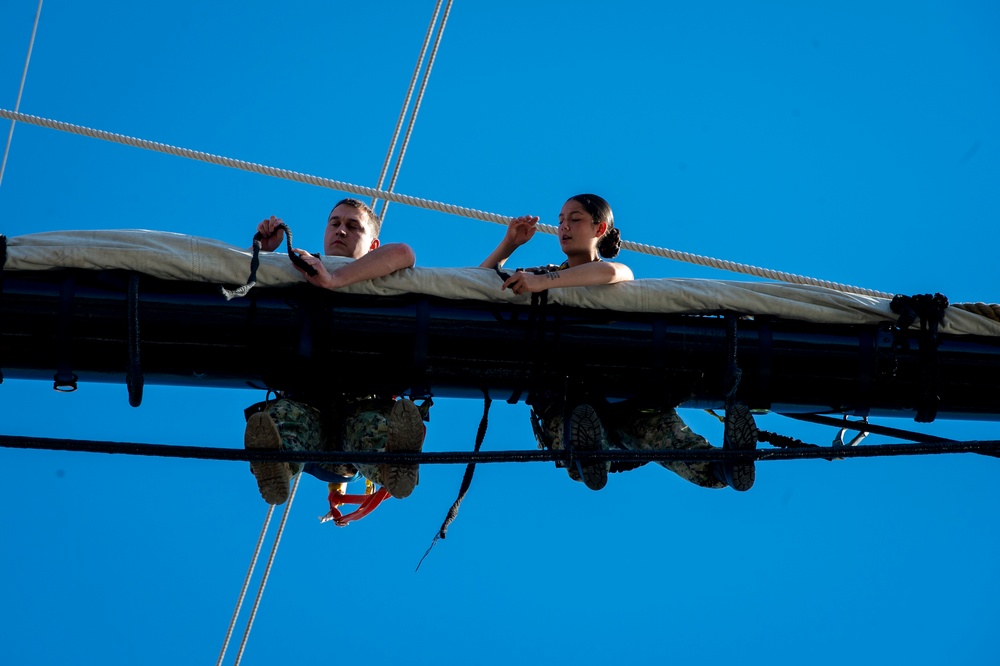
[{"x": 78, "y": 321}]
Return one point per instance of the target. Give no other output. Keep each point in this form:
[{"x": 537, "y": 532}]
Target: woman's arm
[
  {"x": 585, "y": 275},
  {"x": 519, "y": 231}
]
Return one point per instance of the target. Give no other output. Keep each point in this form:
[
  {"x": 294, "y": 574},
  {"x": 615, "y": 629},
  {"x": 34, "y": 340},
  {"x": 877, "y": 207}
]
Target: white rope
[
  {"x": 246, "y": 584},
  {"x": 267, "y": 570},
  {"x": 422, "y": 203},
  {"x": 416, "y": 105},
  {"x": 406, "y": 101},
  {"x": 254, "y": 168},
  {"x": 20, "y": 90}
]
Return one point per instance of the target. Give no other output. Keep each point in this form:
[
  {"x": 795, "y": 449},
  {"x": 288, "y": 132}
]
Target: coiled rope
[{"x": 422, "y": 203}]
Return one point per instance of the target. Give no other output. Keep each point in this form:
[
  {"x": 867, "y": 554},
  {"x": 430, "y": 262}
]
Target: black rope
[
  {"x": 255, "y": 264},
  {"x": 985, "y": 447},
  {"x": 466, "y": 481}
]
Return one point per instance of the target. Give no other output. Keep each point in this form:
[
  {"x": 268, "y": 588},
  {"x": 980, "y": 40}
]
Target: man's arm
[{"x": 381, "y": 261}]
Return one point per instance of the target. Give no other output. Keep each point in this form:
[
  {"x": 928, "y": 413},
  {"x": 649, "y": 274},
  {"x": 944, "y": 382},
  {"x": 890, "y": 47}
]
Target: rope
[
  {"x": 20, "y": 90},
  {"x": 267, "y": 570},
  {"x": 986, "y": 447},
  {"x": 246, "y": 584},
  {"x": 988, "y": 310},
  {"x": 421, "y": 203},
  {"x": 406, "y": 101},
  {"x": 466, "y": 482},
  {"x": 416, "y": 104},
  {"x": 255, "y": 168},
  {"x": 255, "y": 264}
]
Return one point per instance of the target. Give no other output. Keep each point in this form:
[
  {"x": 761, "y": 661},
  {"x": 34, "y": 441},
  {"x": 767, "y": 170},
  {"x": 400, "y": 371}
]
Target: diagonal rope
[
  {"x": 406, "y": 101},
  {"x": 267, "y": 570},
  {"x": 20, "y": 90},
  {"x": 246, "y": 584},
  {"x": 416, "y": 104},
  {"x": 423, "y": 203}
]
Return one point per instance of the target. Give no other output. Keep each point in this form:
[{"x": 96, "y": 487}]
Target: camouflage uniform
[
  {"x": 363, "y": 426},
  {"x": 663, "y": 430},
  {"x": 637, "y": 430}
]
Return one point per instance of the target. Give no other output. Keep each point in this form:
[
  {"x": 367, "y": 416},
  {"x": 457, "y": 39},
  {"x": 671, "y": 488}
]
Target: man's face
[{"x": 348, "y": 233}]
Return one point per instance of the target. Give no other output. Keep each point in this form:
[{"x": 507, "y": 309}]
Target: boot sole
[
  {"x": 272, "y": 477},
  {"x": 406, "y": 435}
]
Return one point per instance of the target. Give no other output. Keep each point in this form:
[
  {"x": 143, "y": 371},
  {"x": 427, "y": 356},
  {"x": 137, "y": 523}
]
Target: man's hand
[
  {"x": 322, "y": 278},
  {"x": 271, "y": 233}
]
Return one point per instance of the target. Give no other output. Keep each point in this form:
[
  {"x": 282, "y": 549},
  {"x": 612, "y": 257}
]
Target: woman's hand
[
  {"x": 520, "y": 230},
  {"x": 527, "y": 283}
]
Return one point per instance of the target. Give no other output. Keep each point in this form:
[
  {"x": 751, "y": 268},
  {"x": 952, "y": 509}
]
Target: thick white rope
[
  {"x": 423, "y": 203},
  {"x": 406, "y": 101},
  {"x": 246, "y": 584},
  {"x": 267, "y": 569},
  {"x": 254, "y": 168},
  {"x": 416, "y": 105},
  {"x": 20, "y": 90}
]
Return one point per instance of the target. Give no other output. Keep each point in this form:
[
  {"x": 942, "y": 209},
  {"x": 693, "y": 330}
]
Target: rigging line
[
  {"x": 422, "y": 203},
  {"x": 267, "y": 569},
  {"x": 20, "y": 90},
  {"x": 246, "y": 584},
  {"x": 985, "y": 447},
  {"x": 867, "y": 427},
  {"x": 416, "y": 104},
  {"x": 406, "y": 101}
]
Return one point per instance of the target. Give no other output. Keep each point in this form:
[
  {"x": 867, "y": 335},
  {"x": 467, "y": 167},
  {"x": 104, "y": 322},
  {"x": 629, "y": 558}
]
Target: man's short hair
[{"x": 373, "y": 218}]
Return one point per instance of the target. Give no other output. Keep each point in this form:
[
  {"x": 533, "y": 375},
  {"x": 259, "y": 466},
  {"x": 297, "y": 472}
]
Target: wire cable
[
  {"x": 20, "y": 90},
  {"x": 246, "y": 584},
  {"x": 416, "y": 104},
  {"x": 267, "y": 570},
  {"x": 406, "y": 101}
]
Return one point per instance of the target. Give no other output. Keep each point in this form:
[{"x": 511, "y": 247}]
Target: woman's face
[{"x": 577, "y": 232}]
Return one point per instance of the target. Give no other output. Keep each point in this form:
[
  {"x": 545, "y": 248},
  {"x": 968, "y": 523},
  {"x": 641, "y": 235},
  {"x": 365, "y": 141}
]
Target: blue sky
[{"x": 845, "y": 141}]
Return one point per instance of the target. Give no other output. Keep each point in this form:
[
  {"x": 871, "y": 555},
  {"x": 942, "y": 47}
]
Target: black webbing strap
[
  {"x": 3, "y": 263},
  {"x": 733, "y": 372},
  {"x": 421, "y": 341},
  {"x": 255, "y": 264},
  {"x": 470, "y": 469},
  {"x": 929, "y": 309},
  {"x": 64, "y": 379},
  {"x": 134, "y": 379}
]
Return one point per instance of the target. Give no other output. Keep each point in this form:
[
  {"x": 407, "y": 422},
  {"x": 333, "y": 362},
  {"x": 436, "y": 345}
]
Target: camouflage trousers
[
  {"x": 640, "y": 430},
  {"x": 365, "y": 427}
]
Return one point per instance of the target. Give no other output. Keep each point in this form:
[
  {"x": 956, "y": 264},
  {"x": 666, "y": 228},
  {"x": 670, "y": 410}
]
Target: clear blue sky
[{"x": 848, "y": 141}]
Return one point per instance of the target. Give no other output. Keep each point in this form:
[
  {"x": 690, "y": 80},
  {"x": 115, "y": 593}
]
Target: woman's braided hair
[{"x": 611, "y": 242}]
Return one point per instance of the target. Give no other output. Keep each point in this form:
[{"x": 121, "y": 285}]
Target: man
[{"x": 348, "y": 423}]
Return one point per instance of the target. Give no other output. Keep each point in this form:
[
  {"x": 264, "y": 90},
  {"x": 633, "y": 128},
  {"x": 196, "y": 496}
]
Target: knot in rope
[{"x": 255, "y": 263}]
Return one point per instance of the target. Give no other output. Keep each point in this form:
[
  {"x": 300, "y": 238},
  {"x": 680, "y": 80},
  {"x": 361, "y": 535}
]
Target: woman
[{"x": 587, "y": 234}]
